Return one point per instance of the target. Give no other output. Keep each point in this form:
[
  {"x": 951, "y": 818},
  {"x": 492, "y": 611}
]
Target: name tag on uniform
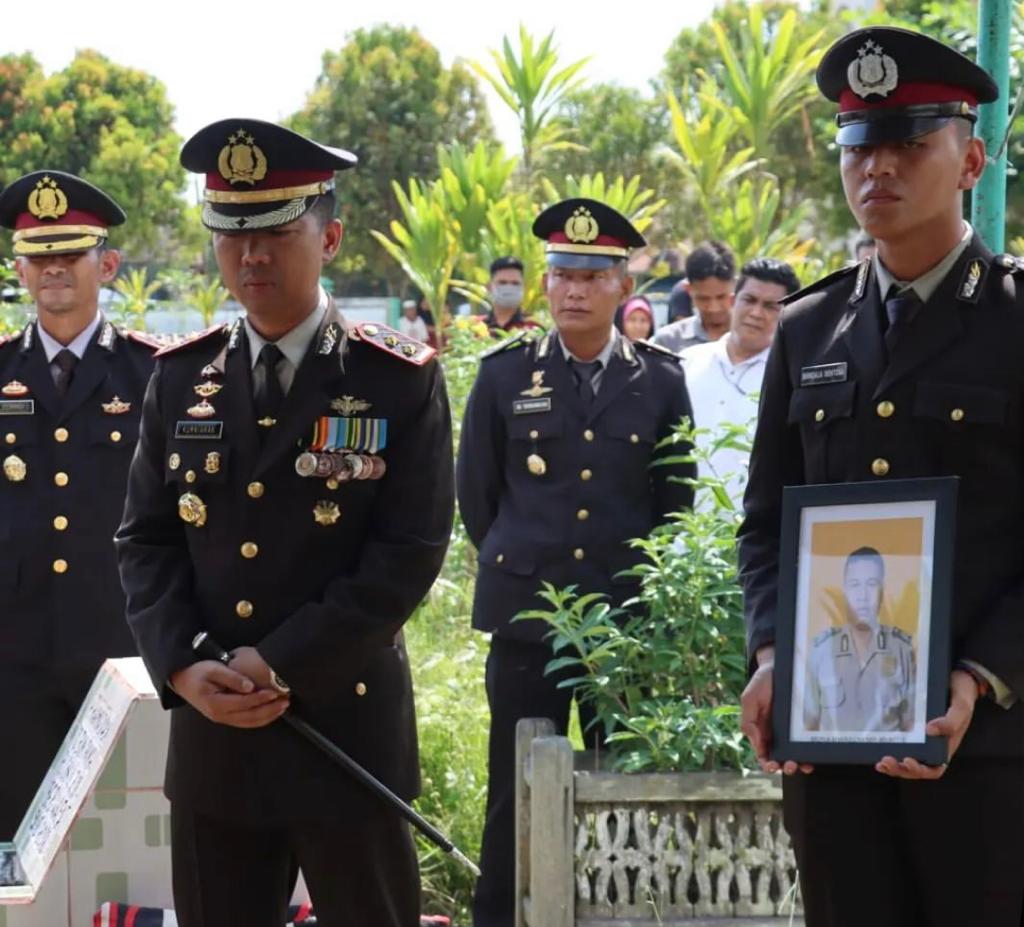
[
  {"x": 526, "y": 406},
  {"x": 823, "y": 374},
  {"x": 17, "y": 406},
  {"x": 211, "y": 431}
]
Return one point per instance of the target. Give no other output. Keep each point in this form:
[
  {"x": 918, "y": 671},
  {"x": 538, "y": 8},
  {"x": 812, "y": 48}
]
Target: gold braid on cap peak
[
  {"x": 242, "y": 197},
  {"x": 45, "y": 231},
  {"x": 562, "y": 248}
]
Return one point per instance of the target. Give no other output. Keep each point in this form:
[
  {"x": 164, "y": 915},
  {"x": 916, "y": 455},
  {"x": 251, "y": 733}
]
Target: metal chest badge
[
  {"x": 207, "y": 389},
  {"x": 15, "y": 389},
  {"x": 116, "y": 406},
  {"x": 15, "y": 469},
  {"x": 202, "y": 409},
  {"x": 348, "y": 405},
  {"x": 212, "y": 463},
  {"x": 326, "y": 513},
  {"x": 192, "y": 510},
  {"x": 538, "y": 389}
]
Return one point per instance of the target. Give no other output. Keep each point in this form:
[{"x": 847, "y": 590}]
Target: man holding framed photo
[{"x": 906, "y": 366}]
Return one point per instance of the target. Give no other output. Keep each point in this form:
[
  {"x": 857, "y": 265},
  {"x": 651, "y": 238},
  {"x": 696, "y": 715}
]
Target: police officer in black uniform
[
  {"x": 71, "y": 388},
  {"x": 907, "y": 365},
  {"x": 292, "y": 496},
  {"x": 554, "y": 477}
]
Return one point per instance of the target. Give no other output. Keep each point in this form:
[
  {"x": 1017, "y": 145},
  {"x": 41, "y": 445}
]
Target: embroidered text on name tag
[
  {"x": 17, "y": 406},
  {"x": 526, "y": 406},
  {"x": 213, "y": 431},
  {"x": 822, "y": 374}
]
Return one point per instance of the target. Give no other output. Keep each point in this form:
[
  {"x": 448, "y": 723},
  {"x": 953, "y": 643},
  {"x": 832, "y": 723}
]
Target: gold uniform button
[
  {"x": 361, "y": 688},
  {"x": 244, "y": 609},
  {"x": 255, "y": 490},
  {"x": 634, "y": 439},
  {"x": 332, "y": 484},
  {"x": 587, "y": 475},
  {"x": 578, "y": 553},
  {"x": 190, "y": 476},
  {"x": 534, "y": 434},
  {"x": 880, "y": 466},
  {"x": 60, "y": 566},
  {"x": 60, "y": 523},
  {"x": 115, "y": 436},
  {"x": 10, "y": 437},
  {"x": 61, "y": 435},
  {"x": 500, "y": 558},
  {"x": 583, "y": 514},
  {"x": 250, "y": 550},
  {"x": 957, "y": 415},
  {"x": 885, "y": 409},
  {"x": 819, "y": 416},
  {"x": 61, "y": 478},
  {"x": 588, "y": 435}
]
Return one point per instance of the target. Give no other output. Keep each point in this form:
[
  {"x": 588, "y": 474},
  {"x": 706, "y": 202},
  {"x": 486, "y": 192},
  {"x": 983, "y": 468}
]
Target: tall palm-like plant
[
  {"x": 532, "y": 84},
  {"x": 636, "y": 204},
  {"x": 136, "y": 292}
]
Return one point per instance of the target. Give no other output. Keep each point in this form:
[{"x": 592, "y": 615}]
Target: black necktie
[
  {"x": 269, "y": 396},
  {"x": 66, "y": 361},
  {"x": 900, "y": 309},
  {"x": 584, "y": 374}
]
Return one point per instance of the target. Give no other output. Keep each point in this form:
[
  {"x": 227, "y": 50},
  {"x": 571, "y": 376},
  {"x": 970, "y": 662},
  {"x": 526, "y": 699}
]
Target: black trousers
[
  {"x": 362, "y": 873},
  {"x": 897, "y": 853},
  {"x": 516, "y": 688},
  {"x": 40, "y": 703}
]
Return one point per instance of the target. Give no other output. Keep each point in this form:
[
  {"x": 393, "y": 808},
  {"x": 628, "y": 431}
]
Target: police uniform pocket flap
[
  {"x": 18, "y": 432},
  {"x": 191, "y": 464},
  {"x": 632, "y": 431},
  {"x": 960, "y": 404},
  {"x": 114, "y": 433},
  {"x": 536, "y": 427},
  {"x": 817, "y": 406},
  {"x": 509, "y": 558}
]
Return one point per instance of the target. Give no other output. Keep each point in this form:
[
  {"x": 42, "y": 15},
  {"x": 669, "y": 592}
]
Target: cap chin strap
[{"x": 917, "y": 111}]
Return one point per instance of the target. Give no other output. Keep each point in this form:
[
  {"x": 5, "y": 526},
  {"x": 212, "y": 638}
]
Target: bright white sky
[{"x": 259, "y": 60}]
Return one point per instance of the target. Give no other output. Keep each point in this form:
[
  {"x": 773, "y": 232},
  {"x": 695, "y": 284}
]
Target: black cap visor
[
  {"x": 581, "y": 261},
  {"x": 891, "y": 129}
]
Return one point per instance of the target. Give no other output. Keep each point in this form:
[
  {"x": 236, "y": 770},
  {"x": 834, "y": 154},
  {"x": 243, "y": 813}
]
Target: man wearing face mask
[{"x": 506, "y": 292}]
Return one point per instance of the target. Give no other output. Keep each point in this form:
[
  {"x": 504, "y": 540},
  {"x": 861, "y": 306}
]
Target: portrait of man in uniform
[{"x": 861, "y": 674}]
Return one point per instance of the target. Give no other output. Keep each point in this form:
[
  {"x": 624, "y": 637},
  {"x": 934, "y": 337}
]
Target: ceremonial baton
[{"x": 206, "y": 647}]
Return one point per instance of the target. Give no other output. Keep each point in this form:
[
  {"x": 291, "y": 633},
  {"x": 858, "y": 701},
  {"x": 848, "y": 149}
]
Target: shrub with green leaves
[{"x": 665, "y": 672}]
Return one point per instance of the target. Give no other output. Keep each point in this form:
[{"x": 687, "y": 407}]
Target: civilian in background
[
  {"x": 680, "y": 306},
  {"x": 505, "y": 291},
  {"x": 710, "y": 276},
  {"x": 724, "y": 377},
  {"x": 410, "y": 323},
  {"x": 637, "y": 322},
  {"x": 863, "y": 248}
]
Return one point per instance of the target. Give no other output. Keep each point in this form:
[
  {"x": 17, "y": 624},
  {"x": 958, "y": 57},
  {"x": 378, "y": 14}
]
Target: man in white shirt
[
  {"x": 724, "y": 377},
  {"x": 411, "y": 324}
]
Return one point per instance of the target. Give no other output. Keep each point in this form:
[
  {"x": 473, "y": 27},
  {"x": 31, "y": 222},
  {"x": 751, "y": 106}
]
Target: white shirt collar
[
  {"x": 295, "y": 343},
  {"x": 603, "y": 357},
  {"x": 721, "y": 350},
  {"x": 78, "y": 344},
  {"x": 925, "y": 285}
]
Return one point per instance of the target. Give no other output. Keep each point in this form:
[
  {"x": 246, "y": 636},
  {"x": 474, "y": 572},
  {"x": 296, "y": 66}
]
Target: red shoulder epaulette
[
  {"x": 395, "y": 343},
  {"x": 194, "y": 338},
  {"x": 155, "y": 342}
]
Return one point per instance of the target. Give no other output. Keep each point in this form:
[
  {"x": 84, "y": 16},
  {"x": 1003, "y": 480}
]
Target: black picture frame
[{"x": 815, "y": 716}]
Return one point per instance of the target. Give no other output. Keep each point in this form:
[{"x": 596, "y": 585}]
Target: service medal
[
  {"x": 192, "y": 510},
  {"x": 305, "y": 464}
]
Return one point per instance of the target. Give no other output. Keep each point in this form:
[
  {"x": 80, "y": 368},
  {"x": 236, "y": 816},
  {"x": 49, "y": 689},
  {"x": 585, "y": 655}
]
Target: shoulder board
[
  {"x": 1009, "y": 262},
  {"x": 153, "y": 342},
  {"x": 189, "y": 340},
  {"x": 10, "y": 336},
  {"x": 901, "y": 635},
  {"x": 825, "y": 635},
  {"x": 822, "y": 283},
  {"x": 655, "y": 348},
  {"x": 394, "y": 343},
  {"x": 518, "y": 340}
]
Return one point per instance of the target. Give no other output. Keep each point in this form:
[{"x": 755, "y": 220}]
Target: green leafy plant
[
  {"x": 665, "y": 672},
  {"x": 137, "y": 290}
]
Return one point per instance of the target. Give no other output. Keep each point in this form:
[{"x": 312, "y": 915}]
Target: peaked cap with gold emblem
[
  {"x": 894, "y": 84},
  {"x": 52, "y": 212},
  {"x": 259, "y": 175},
  {"x": 585, "y": 235}
]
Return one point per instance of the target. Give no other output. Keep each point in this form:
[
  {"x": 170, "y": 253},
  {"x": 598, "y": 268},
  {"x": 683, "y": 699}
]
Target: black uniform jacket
[
  {"x": 60, "y": 600},
  {"x": 323, "y": 599},
  {"x": 570, "y": 524},
  {"x": 949, "y": 401}
]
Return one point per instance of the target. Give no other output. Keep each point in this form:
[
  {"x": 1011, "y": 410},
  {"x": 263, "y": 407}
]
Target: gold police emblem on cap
[
  {"x": 116, "y": 406},
  {"x": 582, "y": 227},
  {"x": 326, "y": 513},
  {"x": 192, "y": 510},
  {"x": 346, "y": 405},
  {"x": 47, "y": 200},
  {"x": 241, "y": 161},
  {"x": 872, "y": 72}
]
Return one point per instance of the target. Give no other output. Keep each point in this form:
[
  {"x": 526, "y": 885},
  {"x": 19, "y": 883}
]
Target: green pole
[{"x": 988, "y": 204}]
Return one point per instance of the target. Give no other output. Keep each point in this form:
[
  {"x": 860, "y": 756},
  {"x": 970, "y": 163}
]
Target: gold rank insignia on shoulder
[
  {"x": 107, "y": 335},
  {"x": 329, "y": 339},
  {"x": 192, "y": 510},
  {"x": 212, "y": 463},
  {"x": 15, "y": 388},
  {"x": 202, "y": 410},
  {"x": 15, "y": 469},
  {"x": 207, "y": 389},
  {"x": 47, "y": 200},
  {"x": 538, "y": 389},
  {"x": 581, "y": 227},
  {"x": 241, "y": 160},
  {"x": 326, "y": 513},
  {"x": 348, "y": 405},
  {"x": 974, "y": 277},
  {"x": 116, "y": 406}
]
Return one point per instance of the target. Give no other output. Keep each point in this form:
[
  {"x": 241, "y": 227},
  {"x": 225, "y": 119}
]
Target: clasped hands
[
  {"x": 239, "y": 694},
  {"x": 756, "y": 723}
]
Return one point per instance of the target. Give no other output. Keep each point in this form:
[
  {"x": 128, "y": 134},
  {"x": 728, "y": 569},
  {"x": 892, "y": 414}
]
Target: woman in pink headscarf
[{"x": 637, "y": 319}]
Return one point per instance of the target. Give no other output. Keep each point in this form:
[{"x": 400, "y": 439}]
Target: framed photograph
[{"x": 862, "y": 647}]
